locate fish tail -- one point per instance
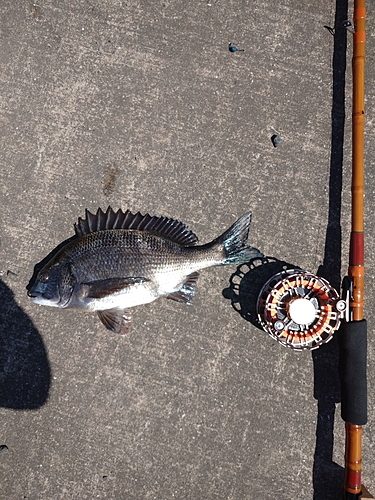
(234, 242)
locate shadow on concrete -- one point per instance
(246, 283)
(327, 475)
(24, 368)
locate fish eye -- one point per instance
(44, 277)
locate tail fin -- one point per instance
(234, 242)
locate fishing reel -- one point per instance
(300, 310)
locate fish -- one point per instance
(119, 260)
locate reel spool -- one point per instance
(300, 310)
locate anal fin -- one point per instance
(116, 320)
(186, 292)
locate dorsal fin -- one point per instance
(168, 228)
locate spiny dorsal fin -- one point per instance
(168, 228)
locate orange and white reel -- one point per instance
(300, 310)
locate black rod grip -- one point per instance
(352, 339)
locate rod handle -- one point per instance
(352, 337)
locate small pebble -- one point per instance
(276, 140)
(233, 48)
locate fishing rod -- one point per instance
(352, 334)
(303, 311)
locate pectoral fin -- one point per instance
(103, 288)
(116, 320)
(186, 292)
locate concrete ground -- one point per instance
(140, 105)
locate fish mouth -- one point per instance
(38, 293)
(35, 295)
(39, 298)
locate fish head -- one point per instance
(53, 285)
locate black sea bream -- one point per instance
(120, 260)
